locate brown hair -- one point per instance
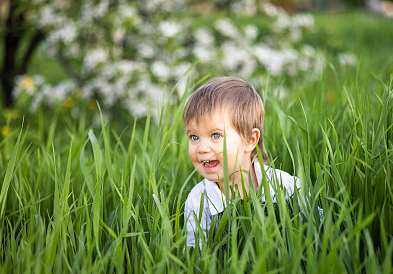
(239, 97)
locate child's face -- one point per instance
(206, 140)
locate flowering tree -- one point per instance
(125, 53)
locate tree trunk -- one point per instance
(11, 43)
(15, 29)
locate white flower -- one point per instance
(233, 56)
(63, 89)
(304, 63)
(125, 66)
(169, 29)
(295, 34)
(308, 51)
(182, 86)
(39, 80)
(95, 57)
(246, 6)
(283, 22)
(120, 88)
(66, 33)
(226, 27)
(347, 59)
(127, 59)
(49, 16)
(319, 65)
(160, 70)
(36, 102)
(127, 11)
(87, 11)
(73, 50)
(101, 9)
(145, 50)
(118, 35)
(204, 54)
(271, 58)
(251, 32)
(181, 69)
(147, 28)
(204, 37)
(303, 20)
(137, 108)
(270, 9)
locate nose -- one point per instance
(203, 148)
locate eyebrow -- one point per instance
(217, 129)
(212, 130)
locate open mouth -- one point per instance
(210, 164)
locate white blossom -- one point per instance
(95, 57)
(270, 9)
(182, 86)
(145, 50)
(62, 90)
(204, 37)
(295, 34)
(50, 16)
(308, 51)
(160, 69)
(233, 55)
(126, 58)
(204, 54)
(127, 11)
(226, 27)
(118, 35)
(271, 58)
(65, 34)
(303, 20)
(126, 66)
(169, 29)
(347, 59)
(181, 69)
(251, 32)
(282, 22)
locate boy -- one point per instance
(232, 105)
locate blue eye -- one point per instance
(194, 138)
(216, 135)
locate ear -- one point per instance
(253, 140)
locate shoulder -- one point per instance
(194, 197)
(287, 180)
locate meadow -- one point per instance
(88, 194)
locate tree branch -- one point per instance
(34, 42)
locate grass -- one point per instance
(108, 196)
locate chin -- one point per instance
(212, 178)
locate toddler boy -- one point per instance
(230, 105)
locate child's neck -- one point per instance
(236, 182)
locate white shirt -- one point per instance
(214, 202)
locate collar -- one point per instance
(216, 199)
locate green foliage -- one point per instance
(80, 194)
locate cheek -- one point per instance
(191, 152)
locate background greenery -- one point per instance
(85, 194)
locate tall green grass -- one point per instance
(79, 196)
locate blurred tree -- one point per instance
(19, 40)
(122, 52)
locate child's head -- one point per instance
(236, 97)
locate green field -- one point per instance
(87, 195)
